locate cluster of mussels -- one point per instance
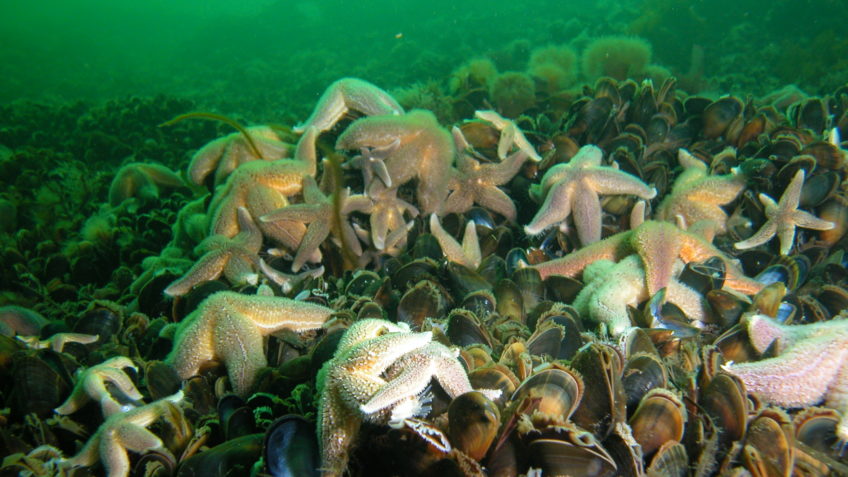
(382, 312)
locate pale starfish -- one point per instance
(475, 182)
(58, 341)
(225, 154)
(425, 152)
(352, 377)
(141, 181)
(128, 431)
(388, 216)
(318, 210)
(611, 287)
(91, 384)
(511, 135)
(697, 195)
(236, 258)
(783, 217)
(659, 245)
(264, 186)
(349, 94)
(468, 254)
(810, 365)
(372, 162)
(231, 327)
(575, 187)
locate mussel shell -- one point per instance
(530, 283)
(510, 301)
(162, 380)
(659, 419)
(473, 423)
(423, 300)
(494, 376)
(559, 457)
(235, 416)
(768, 433)
(104, 321)
(669, 461)
(719, 116)
(465, 329)
(291, 448)
(426, 246)
(723, 399)
(554, 392)
(464, 281)
(834, 210)
(38, 387)
(642, 372)
(704, 276)
(233, 457)
(605, 405)
(481, 302)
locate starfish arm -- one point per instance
(716, 189)
(136, 438)
(798, 377)
(78, 398)
(161, 175)
(414, 378)
(338, 427)
(296, 213)
(270, 314)
(807, 220)
(497, 201)
(499, 174)
(507, 139)
(207, 268)
(786, 236)
(606, 180)
(458, 201)
(586, 208)
(118, 378)
(59, 340)
(555, 209)
(471, 246)
(316, 233)
(205, 160)
(465, 254)
(792, 194)
(305, 152)
(380, 223)
(241, 269)
(659, 245)
(239, 344)
(761, 236)
(372, 357)
(572, 265)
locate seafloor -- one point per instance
(531, 272)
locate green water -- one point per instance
(283, 53)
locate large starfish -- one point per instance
(318, 210)
(475, 182)
(349, 94)
(659, 245)
(91, 385)
(810, 365)
(352, 377)
(128, 431)
(236, 258)
(575, 187)
(230, 327)
(425, 152)
(141, 181)
(783, 217)
(225, 154)
(697, 195)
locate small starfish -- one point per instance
(810, 366)
(387, 216)
(91, 385)
(783, 217)
(575, 187)
(372, 161)
(225, 154)
(141, 181)
(58, 341)
(236, 258)
(318, 211)
(659, 245)
(127, 431)
(468, 254)
(425, 152)
(230, 327)
(352, 377)
(477, 183)
(511, 135)
(611, 287)
(697, 195)
(349, 94)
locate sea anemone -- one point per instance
(474, 74)
(553, 67)
(513, 93)
(620, 57)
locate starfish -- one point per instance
(575, 187)
(230, 327)
(58, 341)
(236, 258)
(810, 365)
(128, 431)
(91, 384)
(352, 377)
(349, 94)
(425, 152)
(318, 210)
(225, 154)
(467, 254)
(264, 186)
(372, 162)
(387, 215)
(477, 183)
(697, 195)
(511, 135)
(141, 181)
(659, 245)
(611, 287)
(783, 217)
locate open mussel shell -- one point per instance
(768, 444)
(465, 329)
(423, 300)
(233, 457)
(817, 444)
(481, 302)
(642, 373)
(659, 419)
(723, 399)
(495, 376)
(552, 393)
(235, 416)
(473, 423)
(291, 448)
(600, 366)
